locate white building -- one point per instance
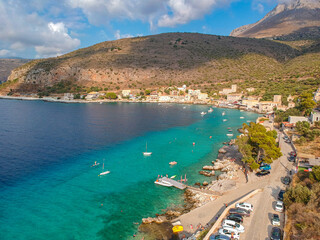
(164, 98)
(68, 96)
(234, 97)
(226, 91)
(267, 106)
(277, 98)
(202, 96)
(126, 93)
(316, 96)
(295, 119)
(251, 89)
(315, 116)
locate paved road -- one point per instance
(260, 224)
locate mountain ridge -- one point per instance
(284, 19)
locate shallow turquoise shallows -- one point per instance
(49, 189)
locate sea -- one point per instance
(49, 189)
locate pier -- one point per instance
(174, 183)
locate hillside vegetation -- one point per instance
(193, 59)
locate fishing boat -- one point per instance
(162, 182)
(230, 134)
(225, 120)
(223, 113)
(242, 117)
(146, 153)
(210, 110)
(203, 113)
(173, 163)
(104, 173)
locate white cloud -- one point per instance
(22, 29)
(4, 52)
(258, 7)
(117, 35)
(166, 13)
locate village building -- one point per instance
(251, 89)
(68, 96)
(307, 160)
(92, 96)
(227, 91)
(125, 93)
(290, 98)
(267, 106)
(202, 96)
(316, 96)
(291, 104)
(250, 103)
(277, 99)
(234, 97)
(164, 98)
(294, 119)
(315, 117)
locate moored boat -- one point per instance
(162, 182)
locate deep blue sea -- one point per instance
(48, 189)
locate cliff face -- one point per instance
(161, 60)
(7, 65)
(286, 18)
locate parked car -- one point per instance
(275, 220)
(239, 211)
(232, 224)
(280, 195)
(293, 153)
(228, 233)
(286, 180)
(263, 173)
(279, 206)
(291, 159)
(265, 167)
(219, 237)
(276, 233)
(235, 217)
(244, 205)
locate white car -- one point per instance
(244, 205)
(226, 232)
(232, 224)
(279, 206)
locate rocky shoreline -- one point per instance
(227, 167)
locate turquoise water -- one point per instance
(68, 200)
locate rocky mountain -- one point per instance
(167, 59)
(7, 65)
(294, 17)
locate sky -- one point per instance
(49, 28)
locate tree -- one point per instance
(147, 92)
(297, 194)
(258, 140)
(306, 102)
(111, 95)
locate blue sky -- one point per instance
(46, 28)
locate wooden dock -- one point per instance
(175, 183)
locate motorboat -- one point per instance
(223, 113)
(162, 182)
(225, 120)
(210, 110)
(230, 134)
(203, 113)
(242, 117)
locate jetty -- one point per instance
(174, 183)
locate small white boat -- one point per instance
(225, 120)
(230, 134)
(146, 153)
(162, 182)
(105, 172)
(203, 113)
(223, 113)
(210, 110)
(248, 121)
(173, 163)
(242, 117)
(184, 107)
(95, 164)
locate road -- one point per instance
(258, 226)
